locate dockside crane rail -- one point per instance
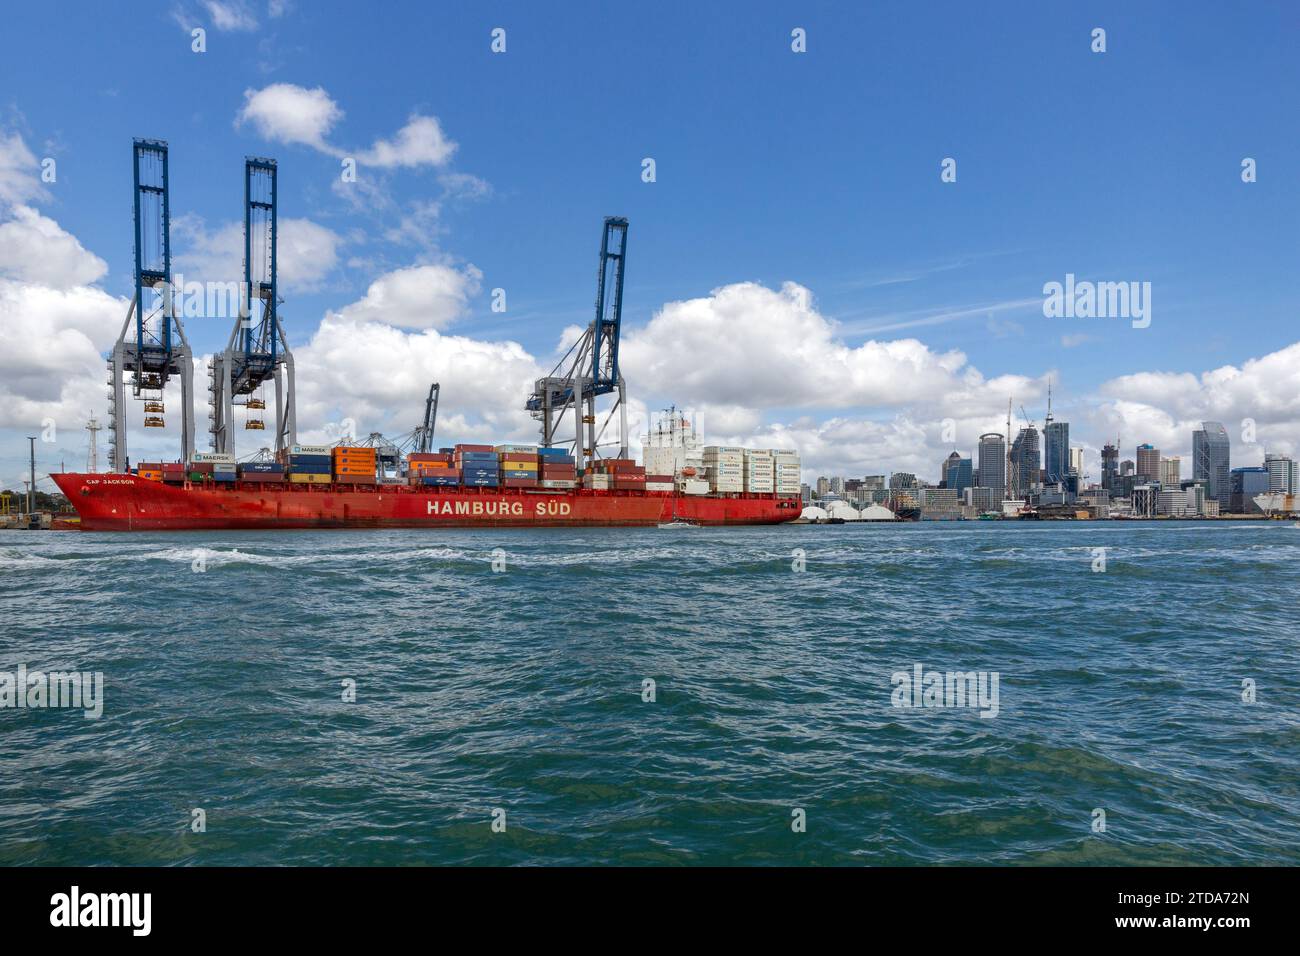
(590, 368)
(257, 351)
(152, 348)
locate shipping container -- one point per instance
(202, 467)
(212, 457)
(438, 480)
(519, 482)
(224, 476)
(309, 449)
(307, 478)
(554, 452)
(524, 449)
(557, 483)
(473, 448)
(262, 467)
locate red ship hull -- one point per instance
(119, 502)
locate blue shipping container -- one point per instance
(439, 480)
(562, 452)
(264, 467)
(224, 476)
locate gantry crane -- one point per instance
(590, 368)
(153, 348)
(423, 434)
(258, 349)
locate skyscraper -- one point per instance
(1056, 451)
(1171, 471)
(956, 473)
(1148, 466)
(1025, 462)
(1282, 474)
(1109, 465)
(993, 462)
(1211, 460)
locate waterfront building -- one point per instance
(1145, 500)
(837, 485)
(1282, 474)
(1211, 460)
(823, 487)
(939, 504)
(1244, 485)
(984, 500)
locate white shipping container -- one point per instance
(308, 450)
(556, 483)
(692, 486)
(723, 449)
(658, 486)
(215, 457)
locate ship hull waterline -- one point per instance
(122, 502)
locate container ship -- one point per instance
(465, 486)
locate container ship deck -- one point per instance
(126, 502)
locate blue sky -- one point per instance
(819, 168)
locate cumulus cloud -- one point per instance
(51, 345)
(418, 297)
(33, 248)
(378, 376)
(287, 113)
(307, 254)
(1259, 398)
(750, 346)
(421, 142)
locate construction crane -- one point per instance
(258, 349)
(590, 368)
(423, 433)
(153, 348)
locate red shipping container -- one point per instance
(520, 482)
(461, 448)
(628, 485)
(355, 479)
(658, 477)
(518, 456)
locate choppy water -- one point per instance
(522, 690)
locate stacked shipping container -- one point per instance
(355, 465)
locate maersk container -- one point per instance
(213, 457)
(309, 449)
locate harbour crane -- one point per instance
(590, 368)
(423, 434)
(258, 348)
(152, 348)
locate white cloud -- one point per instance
(747, 345)
(230, 15)
(51, 344)
(286, 113)
(33, 248)
(378, 376)
(19, 181)
(308, 252)
(418, 297)
(421, 142)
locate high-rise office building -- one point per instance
(957, 473)
(1076, 460)
(1056, 452)
(837, 485)
(1126, 467)
(1211, 460)
(1025, 462)
(1244, 485)
(993, 461)
(1171, 471)
(1282, 474)
(1148, 462)
(1109, 465)
(823, 487)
